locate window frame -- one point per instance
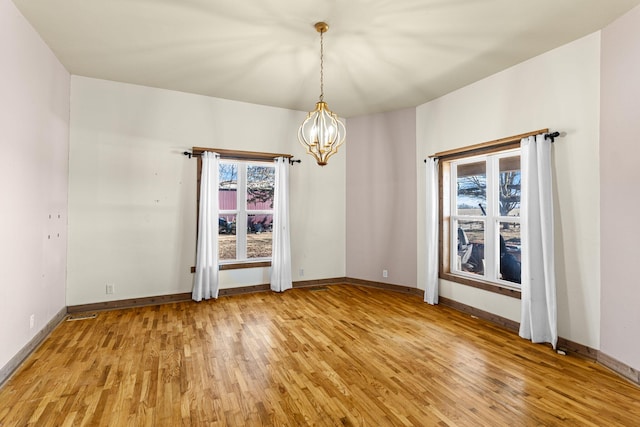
(445, 219)
(227, 154)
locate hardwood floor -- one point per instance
(344, 355)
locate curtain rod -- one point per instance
(497, 143)
(243, 155)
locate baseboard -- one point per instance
(576, 348)
(129, 303)
(620, 368)
(320, 282)
(385, 286)
(481, 314)
(267, 287)
(186, 296)
(7, 370)
(242, 290)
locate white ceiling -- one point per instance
(380, 55)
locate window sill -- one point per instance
(248, 264)
(240, 265)
(484, 285)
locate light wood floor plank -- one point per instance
(344, 356)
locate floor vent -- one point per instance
(319, 288)
(81, 316)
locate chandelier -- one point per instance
(322, 132)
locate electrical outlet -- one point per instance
(301, 272)
(385, 273)
(32, 321)
(110, 288)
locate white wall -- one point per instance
(381, 198)
(558, 90)
(132, 204)
(620, 174)
(34, 135)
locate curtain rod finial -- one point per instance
(552, 136)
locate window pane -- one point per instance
(470, 243)
(259, 235)
(510, 250)
(510, 186)
(260, 187)
(227, 237)
(228, 186)
(472, 188)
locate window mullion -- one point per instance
(241, 228)
(491, 260)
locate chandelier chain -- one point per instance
(321, 66)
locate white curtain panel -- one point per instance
(539, 313)
(281, 245)
(206, 284)
(431, 248)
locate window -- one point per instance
(479, 218)
(246, 210)
(246, 197)
(484, 206)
